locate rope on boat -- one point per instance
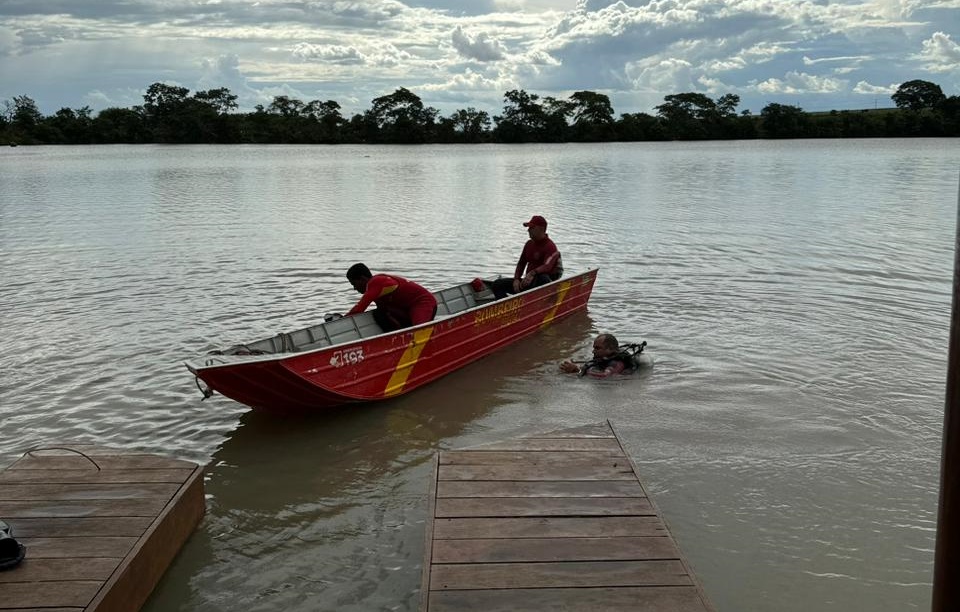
(207, 392)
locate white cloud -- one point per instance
(541, 58)
(671, 75)
(801, 83)
(388, 55)
(940, 53)
(714, 86)
(764, 52)
(481, 47)
(327, 53)
(225, 68)
(812, 62)
(866, 88)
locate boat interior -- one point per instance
(341, 330)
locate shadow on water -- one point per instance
(326, 512)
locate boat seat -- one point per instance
(456, 299)
(338, 331)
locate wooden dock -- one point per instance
(100, 526)
(555, 521)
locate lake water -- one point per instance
(794, 295)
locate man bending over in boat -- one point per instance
(538, 265)
(400, 303)
(608, 358)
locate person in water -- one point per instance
(539, 262)
(607, 360)
(400, 302)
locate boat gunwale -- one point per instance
(236, 360)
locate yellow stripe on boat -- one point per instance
(407, 361)
(561, 293)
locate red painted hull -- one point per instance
(391, 364)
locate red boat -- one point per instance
(351, 360)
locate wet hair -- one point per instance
(609, 341)
(358, 270)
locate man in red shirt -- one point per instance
(539, 262)
(400, 303)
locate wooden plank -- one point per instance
(586, 445)
(132, 582)
(596, 471)
(49, 609)
(50, 569)
(561, 574)
(556, 521)
(630, 599)
(94, 507)
(69, 594)
(489, 457)
(177, 476)
(106, 463)
(62, 527)
(584, 488)
(78, 547)
(97, 539)
(62, 491)
(553, 549)
(428, 545)
(543, 506)
(548, 527)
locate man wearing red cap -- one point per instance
(538, 265)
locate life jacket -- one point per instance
(628, 355)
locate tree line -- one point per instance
(170, 114)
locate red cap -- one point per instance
(536, 220)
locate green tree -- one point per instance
(469, 125)
(633, 127)
(556, 125)
(592, 116)
(23, 120)
(119, 125)
(949, 109)
(917, 95)
(523, 119)
(162, 100)
(168, 114)
(783, 121)
(71, 126)
(220, 99)
(212, 108)
(285, 106)
(727, 105)
(686, 116)
(401, 118)
(287, 121)
(329, 121)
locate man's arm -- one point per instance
(615, 367)
(521, 266)
(377, 287)
(547, 266)
(521, 263)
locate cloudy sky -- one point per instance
(816, 54)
